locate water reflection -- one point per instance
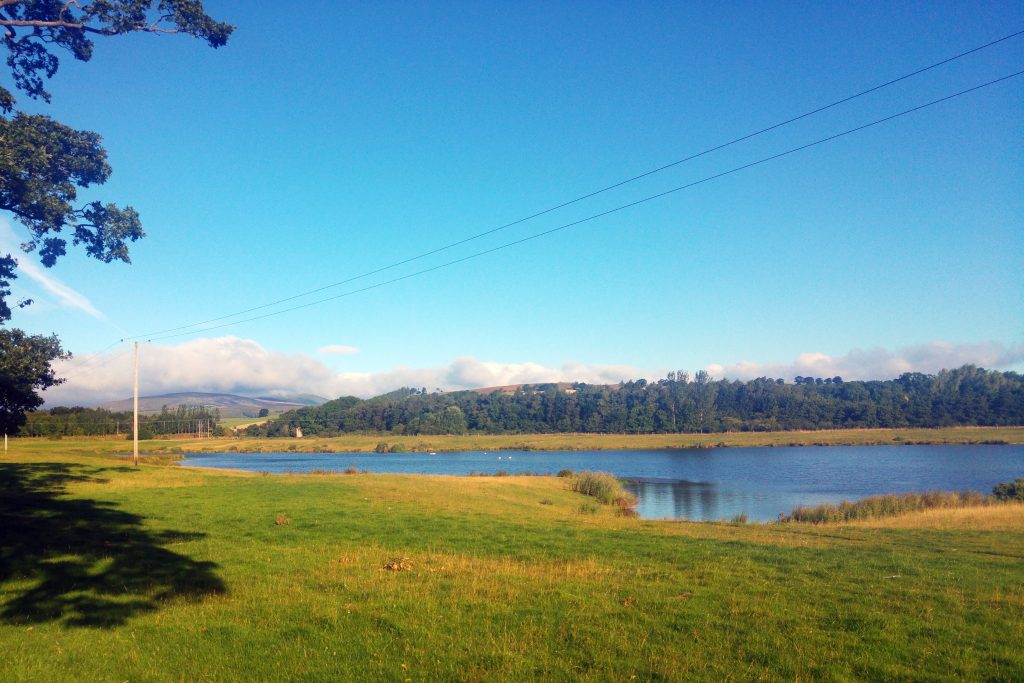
(704, 500)
(676, 499)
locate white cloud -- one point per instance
(880, 363)
(243, 366)
(337, 350)
(64, 295)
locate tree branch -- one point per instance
(88, 29)
(41, 24)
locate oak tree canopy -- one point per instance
(42, 161)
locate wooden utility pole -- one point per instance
(135, 435)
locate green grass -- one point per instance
(165, 573)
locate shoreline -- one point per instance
(364, 443)
(370, 443)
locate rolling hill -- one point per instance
(230, 405)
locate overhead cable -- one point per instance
(601, 214)
(451, 245)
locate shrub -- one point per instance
(607, 489)
(381, 447)
(565, 473)
(600, 485)
(397, 448)
(1009, 490)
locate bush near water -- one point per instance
(1010, 490)
(891, 505)
(606, 488)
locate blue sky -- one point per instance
(344, 137)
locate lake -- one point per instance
(698, 484)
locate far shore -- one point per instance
(364, 443)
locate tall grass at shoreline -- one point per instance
(888, 505)
(607, 489)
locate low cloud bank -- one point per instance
(880, 363)
(243, 366)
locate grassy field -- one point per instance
(108, 572)
(561, 442)
(241, 422)
(570, 442)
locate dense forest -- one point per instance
(101, 422)
(965, 396)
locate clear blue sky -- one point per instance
(328, 139)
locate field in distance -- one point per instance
(168, 573)
(570, 442)
(366, 443)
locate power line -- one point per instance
(585, 196)
(95, 362)
(595, 216)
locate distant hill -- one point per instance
(965, 396)
(304, 399)
(230, 405)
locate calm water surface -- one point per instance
(705, 484)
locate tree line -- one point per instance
(59, 422)
(677, 404)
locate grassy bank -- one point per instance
(163, 573)
(367, 443)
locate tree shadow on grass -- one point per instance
(82, 561)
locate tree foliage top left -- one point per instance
(43, 162)
(31, 28)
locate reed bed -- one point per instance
(607, 489)
(889, 505)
